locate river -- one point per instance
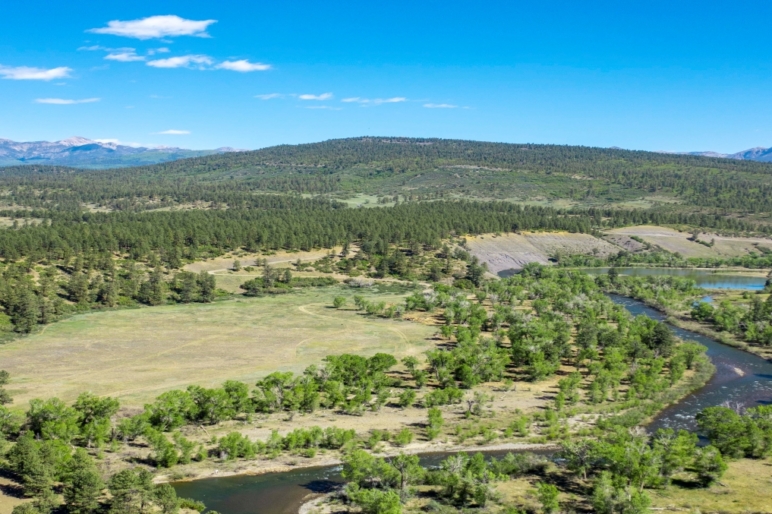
(276, 493)
(740, 378)
(709, 279)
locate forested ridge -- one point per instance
(274, 222)
(423, 167)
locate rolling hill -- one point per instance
(380, 168)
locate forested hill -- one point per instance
(436, 168)
(410, 154)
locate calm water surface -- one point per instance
(276, 493)
(740, 378)
(709, 279)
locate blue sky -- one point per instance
(648, 75)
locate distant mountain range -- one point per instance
(754, 154)
(86, 153)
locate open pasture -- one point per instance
(136, 354)
(744, 488)
(679, 242)
(281, 259)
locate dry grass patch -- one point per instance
(679, 242)
(278, 259)
(10, 495)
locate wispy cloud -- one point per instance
(123, 54)
(375, 101)
(243, 66)
(200, 62)
(183, 61)
(66, 101)
(30, 73)
(173, 132)
(155, 27)
(128, 56)
(327, 107)
(270, 96)
(440, 106)
(323, 96)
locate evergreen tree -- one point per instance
(82, 484)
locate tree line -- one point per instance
(274, 222)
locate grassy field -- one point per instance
(513, 251)
(6, 222)
(278, 260)
(744, 488)
(229, 280)
(674, 241)
(136, 354)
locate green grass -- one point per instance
(136, 354)
(744, 488)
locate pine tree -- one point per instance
(82, 485)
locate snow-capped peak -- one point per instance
(75, 141)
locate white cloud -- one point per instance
(440, 106)
(173, 132)
(124, 56)
(66, 101)
(113, 141)
(375, 101)
(183, 61)
(394, 100)
(29, 73)
(243, 66)
(323, 107)
(323, 96)
(156, 27)
(269, 96)
(162, 50)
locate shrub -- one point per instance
(403, 437)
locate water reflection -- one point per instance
(708, 279)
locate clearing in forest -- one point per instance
(280, 259)
(136, 354)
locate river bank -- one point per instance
(290, 462)
(685, 322)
